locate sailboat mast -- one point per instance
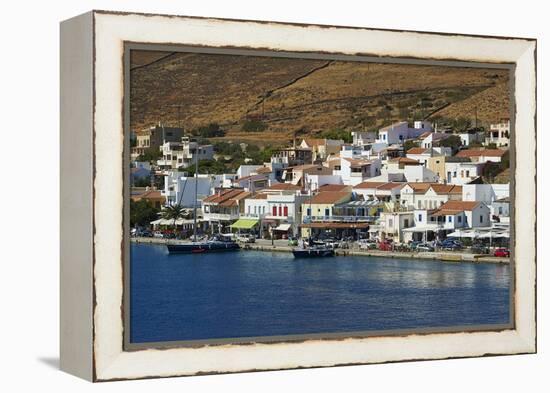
(195, 199)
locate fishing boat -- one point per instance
(313, 252)
(216, 244)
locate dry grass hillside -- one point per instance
(304, 96)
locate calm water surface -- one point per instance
(244, 294)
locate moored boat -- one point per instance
(313, 252)
(201, 247)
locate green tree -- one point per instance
(150, 155)
(142, 213)
(212, 130)
(173, 212)
(452, 141)
(409, 144)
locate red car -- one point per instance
(502, 252)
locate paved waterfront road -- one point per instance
(244, 294)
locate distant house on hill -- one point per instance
(321, 148)
(400, 132)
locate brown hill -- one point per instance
(309, 96)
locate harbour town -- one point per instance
(275, 197)
(417, 189)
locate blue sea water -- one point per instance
(250, 294)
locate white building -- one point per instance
(178, 188)
(387, 192)
(428, 195)
(180, 155)
(355, 171)
(461, 172)
(392, 224)
(468, 137)
(433, 139)
(499, 133)
(482, 155)
(361, 138)
(399, 132)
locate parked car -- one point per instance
(331, 242)
(502, 252)
(158, 235)
(367, 244)
(385, 246)
(424, 247)
(480, 249)
(414, 244)
(451, 245)
(246, 238)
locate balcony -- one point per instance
(220, 217)
(351, 219)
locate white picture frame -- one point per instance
(92, 230)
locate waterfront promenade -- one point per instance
(282, 246)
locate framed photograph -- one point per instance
(246, 195)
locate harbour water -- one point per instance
(254, 293)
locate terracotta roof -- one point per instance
(284, 186)
(446, 189)
(416, 150)
(420, 187)
(355, 163)
(405, 160)
(328, 197)
(259, 196)
(453, 207)
(149, 194)
(390, 186)
(224, 195)
(302, 167)
(370, 184)
(333, 187)
(481, 152)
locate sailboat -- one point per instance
(218, 244)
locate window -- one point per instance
(275, 210)
(285, 211)
(327, 212)
(467, 173)
(450, 219)
(459, 219)
(406, 223)
(308, 212)
(454, 174)
(280, 211)
(420, 218)
(390, 222)
(255, 209)
(481, 219)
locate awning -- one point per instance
(283, 227)
(179, 221)
(244, 223)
